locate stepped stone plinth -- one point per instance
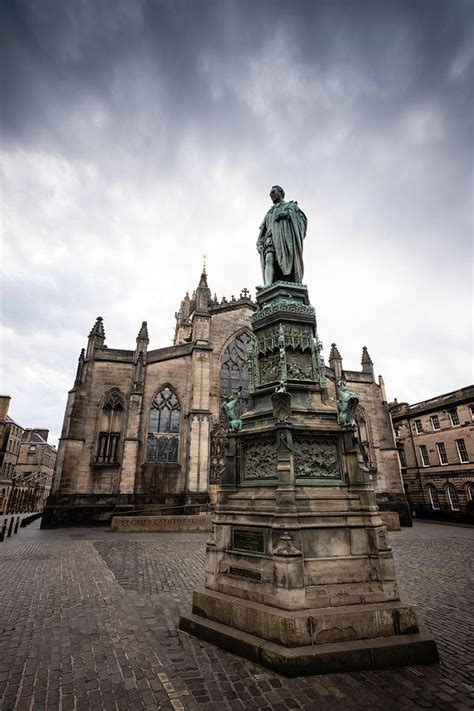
(300, 575)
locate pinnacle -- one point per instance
(366, 359)
(334, 354)
(143, 333)
(98, 328)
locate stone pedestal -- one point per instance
(300, 575)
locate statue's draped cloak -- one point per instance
(287, 237)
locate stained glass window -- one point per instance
(163, 427)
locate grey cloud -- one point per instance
(138, 135)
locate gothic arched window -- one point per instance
(234, 370)
(110, 427)
(163, 427)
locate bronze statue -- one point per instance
(280, 242)
(346, 404)
(234, 422)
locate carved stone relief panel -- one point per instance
(259, 459)
(299, 366)
(316, 458)
(269, 369)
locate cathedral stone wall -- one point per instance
(104, 467)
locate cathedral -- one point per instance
(144, 430)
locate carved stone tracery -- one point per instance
(235, 372)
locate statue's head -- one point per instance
(277, 193)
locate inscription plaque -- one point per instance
(243, 573)
(248, 539)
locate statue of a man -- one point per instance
(280, 242)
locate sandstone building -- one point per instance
(27, 464)
(435, 441)
(144, 429)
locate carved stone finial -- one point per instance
(334, 354)
(143, 332)
(98, 328)
(366, 359)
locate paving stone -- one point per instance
(88, 620)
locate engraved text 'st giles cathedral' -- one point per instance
(300, 574)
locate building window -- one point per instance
(434, 498)
(453, 497)
(403, 459)
(462, 451)
(110, 428)
(443, 457)
(470, 490)
(234, 371)
(471, 410)
(163, 428)
(425, 460)
(435, 422)
(454, 417)
(418, 427)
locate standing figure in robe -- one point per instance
(280, 242)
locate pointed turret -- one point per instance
(203, 293)
(383, 394)
(367, 365)
(80, 367)
(96, 337)
(335, 362)
(201, 317)
(142, 341)
(183, 328)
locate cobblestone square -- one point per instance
(88, 620)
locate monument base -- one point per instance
(311, 641)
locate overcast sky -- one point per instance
(138, 136)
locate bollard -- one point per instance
(17, 524)
(4, 530)
(10, 527)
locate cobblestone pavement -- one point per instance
(88, 621)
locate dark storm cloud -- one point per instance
(137, 135)
(65, 61)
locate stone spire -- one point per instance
(203, 293)
(201, 320)
(383, 393)
(335, 362)
(367, 365)
(96, 337)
